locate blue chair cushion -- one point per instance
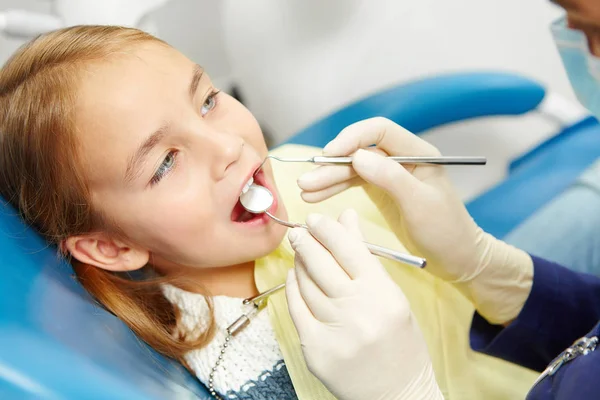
(58, 343)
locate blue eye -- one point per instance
(165, 167)
(209, 104)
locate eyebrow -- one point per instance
(135, 162)
(197, 75)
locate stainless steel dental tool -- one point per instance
(416, 160)
(258, 200)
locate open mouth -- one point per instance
(239, 214)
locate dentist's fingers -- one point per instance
(325, 176)
(301, 315)
(349, 219)
(349, 251)
(319, 263)
(317, 302)
(328, 180)
(386, 134)
(389, 176)
(330, 191)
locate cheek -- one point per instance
(594, 42)
(255, 138)
(245, 125)
(162, 221)
(184, 216)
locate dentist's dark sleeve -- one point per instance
(563, 306)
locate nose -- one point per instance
(226, 149)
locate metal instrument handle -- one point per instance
(442, 160)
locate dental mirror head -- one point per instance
(257, 199)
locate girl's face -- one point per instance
(166, 157)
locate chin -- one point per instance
(270, 242)
(273, 240)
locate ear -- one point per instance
(104, 252)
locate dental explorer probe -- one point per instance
(410, 160)
(259, 199)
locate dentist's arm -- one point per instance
(357, 332)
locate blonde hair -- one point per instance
(41, 174)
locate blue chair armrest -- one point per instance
(537, 178)
(430, 102)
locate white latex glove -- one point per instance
(356, 329)
(423, 209)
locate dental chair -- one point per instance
(56, 343)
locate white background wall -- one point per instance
(349, 47)
(298, 60)
(7, 46)
(193, 26)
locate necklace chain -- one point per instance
(211, 377)
(231, 331)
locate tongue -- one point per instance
(245, 216)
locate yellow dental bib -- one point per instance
(444, 314)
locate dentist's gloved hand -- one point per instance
(427, 215)
(357, 332)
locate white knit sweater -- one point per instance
(252, 356)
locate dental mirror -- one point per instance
(257, 200)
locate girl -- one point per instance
(119, 149)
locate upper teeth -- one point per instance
(247, 185)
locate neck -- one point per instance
(234, 281)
